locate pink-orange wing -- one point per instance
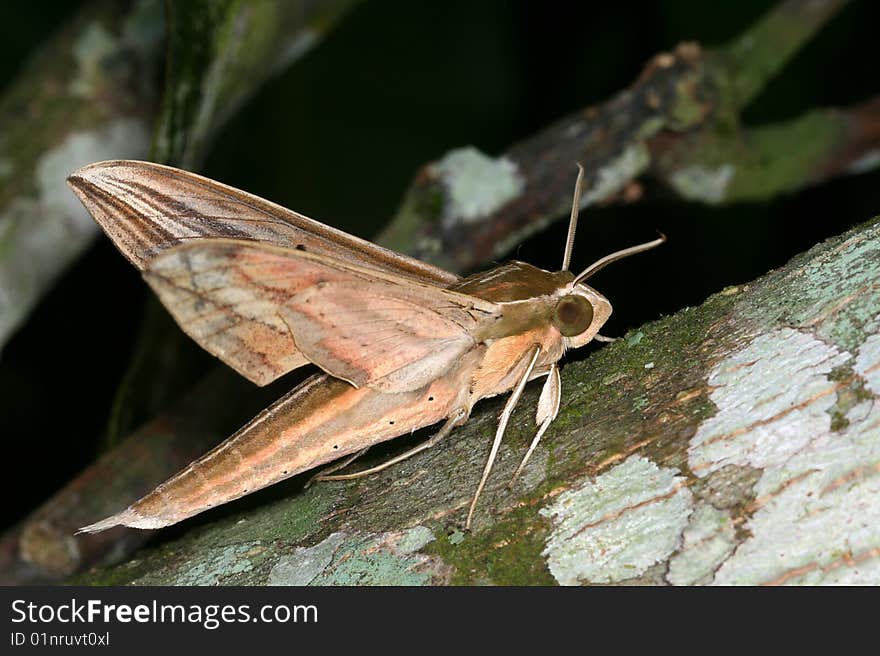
(148, 208)
(368, 327)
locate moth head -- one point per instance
(581, 311)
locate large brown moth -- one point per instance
(403, 344)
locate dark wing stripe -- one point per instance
(179, 206)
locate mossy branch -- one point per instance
(679, 123)
(89, 95)
(757, 56)
(85, 96)
(735, 442)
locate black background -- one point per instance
(340, 134)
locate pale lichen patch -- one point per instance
(772, 397)
(220, 565)
(65, 226)
(617, 173)
(616, 527)
(476, 184)
(867, 363)
(837, 296)
(708, 539)
(382, 559)
(413, 540)
(703, 184)
(634, 338)
(306, 563)
(816, 505)
(818, 511)
(92, 47)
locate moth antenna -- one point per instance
(618, 255)
(573, 222)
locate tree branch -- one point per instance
(44, 549)
(756, 57)
(736, 442)
(678, 122)
(719, 166)
(88, 96)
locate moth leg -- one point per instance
(345, 462)
(548, 408)
(502, 426)
(456, 419)
(602, 338)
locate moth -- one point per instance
(402, 344)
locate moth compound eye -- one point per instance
(572, 315)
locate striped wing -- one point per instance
(148, 208)
(368, 327)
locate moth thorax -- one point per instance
(572, 315)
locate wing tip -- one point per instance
(127, 517)
(93, 170)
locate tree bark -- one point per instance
(735, 442)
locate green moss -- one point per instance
(838, 420)
(784, 156)
(851, 393)
(847, 270)
(688, 110)
(508, 552)
(649, 128)
(760, 52)
(288, 520)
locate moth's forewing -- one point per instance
(230, 307)
(369, 328)
(146, 208)
(321, 420)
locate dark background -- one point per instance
(340, 134)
